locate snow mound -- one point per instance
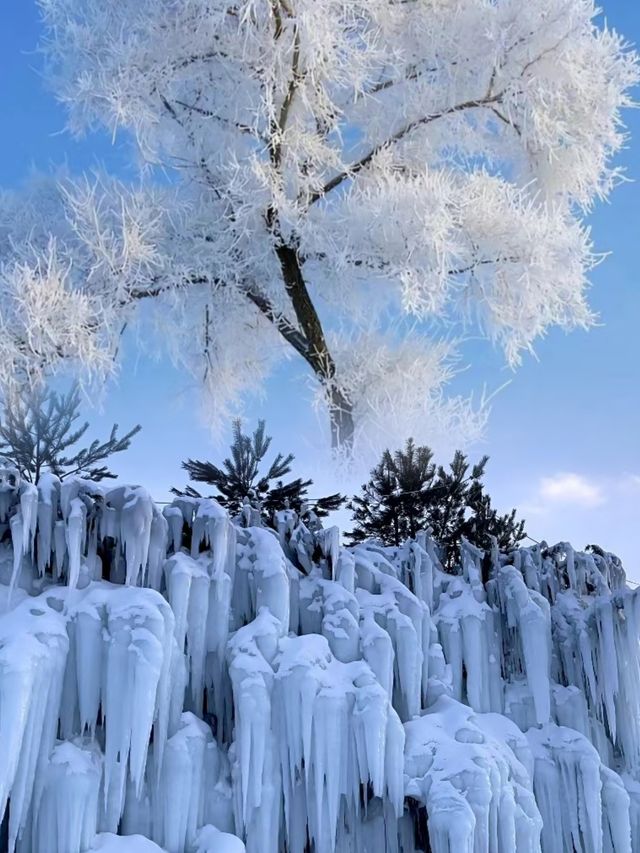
(105, 842)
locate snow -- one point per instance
(105, 842)
(237, 688)
(209, 839)
(470, 772)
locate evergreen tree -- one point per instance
(389, 507)
(463, 509)
(39, 431)
(407, 493)
(240, 476)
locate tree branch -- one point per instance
(357, 167)
(412, 74)
(286, 328)
(243, 128)
(277, 131)
(505, 120)
(318, 355)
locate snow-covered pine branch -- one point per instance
(337, 171)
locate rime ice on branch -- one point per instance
(341, 170)
(172, 682)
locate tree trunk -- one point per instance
(341, 421)
(316, 351)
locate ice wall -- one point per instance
(174, 680)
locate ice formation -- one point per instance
(185, 682)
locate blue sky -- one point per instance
(563, 435)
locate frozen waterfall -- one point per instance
(173, 680)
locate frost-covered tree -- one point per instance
(407, 492)
(242, 475)
(39, 431)
(352, 181)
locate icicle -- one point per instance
(66, 816)
(264, 581)
(175, 520)
(60, 546)
(29, 509)
(301, 547)
(136, 656)
(403, 617)
(255, 768)
(329, 542)
(343, 634)
(16, 542)
(466, 628)
(33, 649)
(211, 526)
(597, 643)
(345, 571)
(9, 486)
(528, 612)
(285, 522)
(192, 789)
(616, 824)
(187, 507)
(188, 591)
(307, 680)
(135, 531)
(178, 800)
(179, 571)
(158, 540)
(75, 539)
(109, 523)
(633, 789)
(48, 490)
(326, 712)
(217, 631)
(478, 794)
(89, 625)
(568, 789)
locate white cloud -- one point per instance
(565, 506)
(572, 489)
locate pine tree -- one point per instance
(38, 432)
(390, 505)
(407, 493)
(240, 476)
(463, 509)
